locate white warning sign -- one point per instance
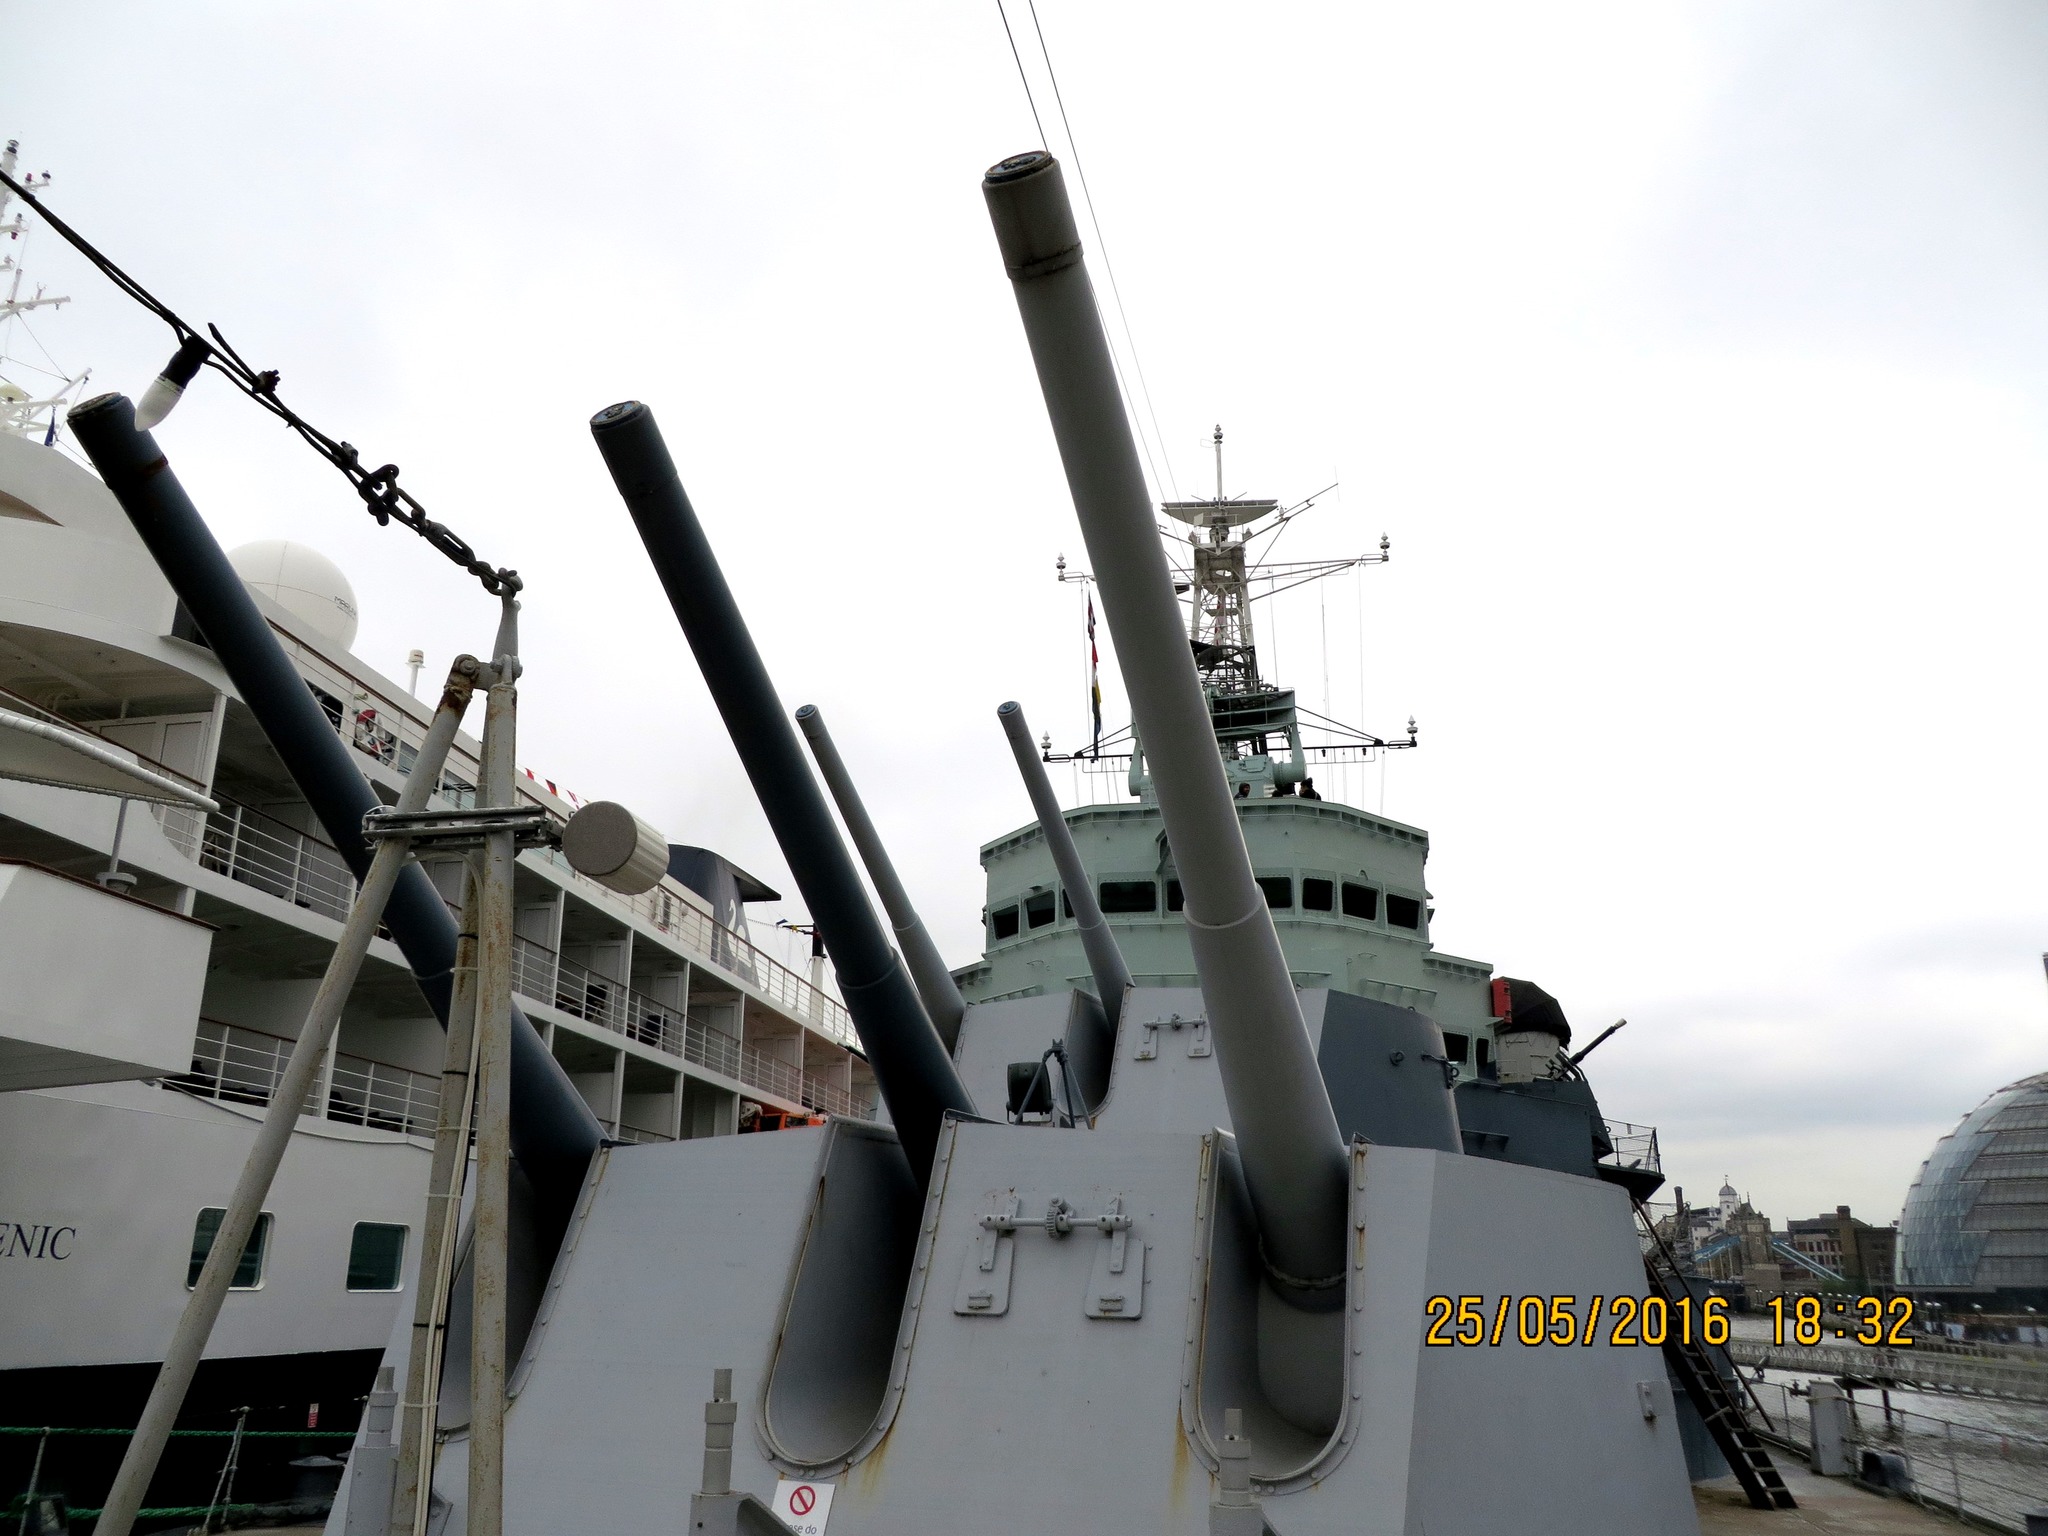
(803, 1507)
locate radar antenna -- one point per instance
(1259, 726)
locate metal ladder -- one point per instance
(1718, 1407)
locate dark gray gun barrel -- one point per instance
(914, 1070)
(935, 985)
(1294, 1158)
(1094, 1053)
(553, 1131)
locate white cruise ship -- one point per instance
(131, 1087)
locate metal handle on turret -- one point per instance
(1294, 1159)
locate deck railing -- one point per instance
(243, 1066)
(546, 977)
(259, 850)
(1635, 1146)
(275, 857)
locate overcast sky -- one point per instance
(1692, 357)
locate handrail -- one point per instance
(231, 1062)
(545, 977)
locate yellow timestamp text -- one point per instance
(1565, 1320)
(1886, 1320)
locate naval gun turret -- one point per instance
(1236, 1294)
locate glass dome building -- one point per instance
(1976, 1218)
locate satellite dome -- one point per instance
(304, 583)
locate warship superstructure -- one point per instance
(1143, 1246)
(1346, 887)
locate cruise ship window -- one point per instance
(248, 1273)
(376, 1256)
(1279, 890)
(1457, 1047)
(1066, 905)
(1318, 895)
(1361, 901)
(1038, 909)
(1004, 921)
(1129, 896)
(1175, 900)
(1404, 911)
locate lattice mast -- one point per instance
(1220, 616)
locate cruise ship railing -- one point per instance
(386, 731)
(276, 858)
(543, 976)
(242, 1066)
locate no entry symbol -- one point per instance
(802, 1499)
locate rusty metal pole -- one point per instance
(412, 1484)
(493, 1106)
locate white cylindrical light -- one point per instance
(615, 848)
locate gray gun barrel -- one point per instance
(914, 1070)
(935, 985)
(554, 1134)
(1092, 1055)
(1293, 1155)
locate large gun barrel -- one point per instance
(1093, 1055)
(914, 1070)
(935, 985)
(1293, 1154)
(553, 1131)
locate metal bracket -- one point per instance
(984, 1289)
(452, 831)
(1198, 1042)
(1116, 1288)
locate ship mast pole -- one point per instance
(489, 1271)
(288, 1097)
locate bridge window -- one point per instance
(248, 1273)
(1457, 1047)
(376, 1256)
(1404, 911)
(1318, 895)
(1279, 890)
(1038, 909)
(1175, 900)
(1361, 901)
(1130, 896)
(1003, 922)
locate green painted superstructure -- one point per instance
(1317, 847)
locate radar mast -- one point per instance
(1259, 725)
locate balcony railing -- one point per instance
(546, 977)
(243, 1066)
(277, 858)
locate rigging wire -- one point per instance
(1108, 269)
(1029, 100)
(379, 488)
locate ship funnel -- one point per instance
(1293, 1155)
(1093, 1055)
(935, 984)
(913, 1068)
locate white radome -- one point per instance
(303, 582)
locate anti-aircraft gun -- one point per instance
(1194, 1289)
